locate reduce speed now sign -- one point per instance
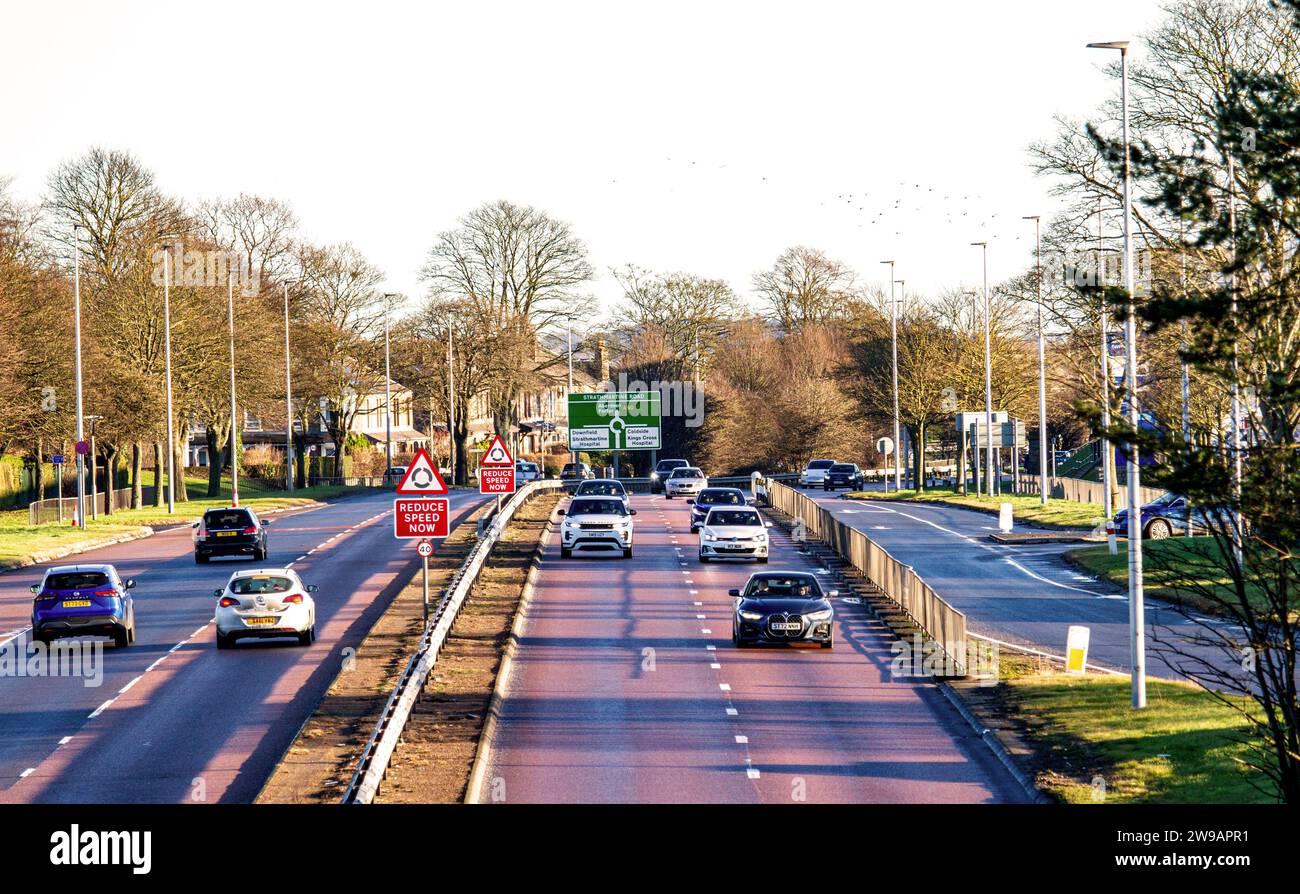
(417, 517)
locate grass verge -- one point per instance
(1057, 514)
(1082, 743)
(19, 541)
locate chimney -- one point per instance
(601, 358)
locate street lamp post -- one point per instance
(451, 404)
(893, 334)
(1042, 366)
(388, 393)
(1137, 620)
(573, 454)
(288, 400)
(1107, 456)
(902, 299)
(234, 423)
(990, 466)
(81, 423)
(167, 365)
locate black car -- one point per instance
(662, 471)
(843, 475)
(230, 532)
(710, 497)
(783, 607)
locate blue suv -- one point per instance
(83, 600)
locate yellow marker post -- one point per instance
(1076, 649)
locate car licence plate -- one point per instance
(260, 622)
(227, 533)
(784, 625)
(76, 603)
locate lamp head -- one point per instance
(1121, 45)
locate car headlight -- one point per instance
(823, 615)
(706, 535)
(654, 476)
(751, 616)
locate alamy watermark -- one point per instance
(20, 657)
(210, 268)
(676, 398)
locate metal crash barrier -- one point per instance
(938, 620)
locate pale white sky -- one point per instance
(703, 137)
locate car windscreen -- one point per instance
(783, 588)
(733, 517)
(821, 464)
(251, 586)
(687, 473)
(603, 488)
(842, 467)
(227, 519)
(597, 507)
(76, 580)
(710, 497)
(667, 465)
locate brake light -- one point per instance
(295, 598)
(228, 602)
(250, 530)
(106, 592)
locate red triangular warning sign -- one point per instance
(497, 454)
(421, 477)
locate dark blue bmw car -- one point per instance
(782, 607)
(83, 600)
(1167, 515)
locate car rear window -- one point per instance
(76, 580)
(604, 488)
(597, 507)
(251, 586)
(821, 464)
(733, 517)
(667, 465)
(842, 467)
(225, 519)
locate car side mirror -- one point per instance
(690, 502)
(631, 512)
(194, 525)
(311, 588)
(265, 522)
(130, 583)
(218, 592)
(832, 594)
(767, 524)
(733, 592)
(35, 588)
(559, 512)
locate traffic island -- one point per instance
(1067, 516)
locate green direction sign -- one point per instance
(614, 420)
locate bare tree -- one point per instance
(804, 286)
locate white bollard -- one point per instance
(1076, 649)
(1004, 518)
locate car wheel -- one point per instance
(829, 644)
(200, 559)
(704, 558)
(130, 631)
(762, 560)
(121, 638)
(1159, 529)
(627, 552)
(41, 638)
(566, 552)
(224, 641)
(667, 496)
(307, 636)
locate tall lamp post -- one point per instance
(81, 422)
(451, 404)
(388, 392)
(288, 399)
(1137, 620)
(234, 422)
(1042, 365)
(167, 365)
(893, 335)
(902, 299)
(989, 468)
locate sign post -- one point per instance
(425, 549)
(421, 513)
(57, 461)
(496, 471)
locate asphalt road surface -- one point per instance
(626, 688)
(173, 720)
(1024, 594)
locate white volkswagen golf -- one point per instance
(733, 533)
(265, 602)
